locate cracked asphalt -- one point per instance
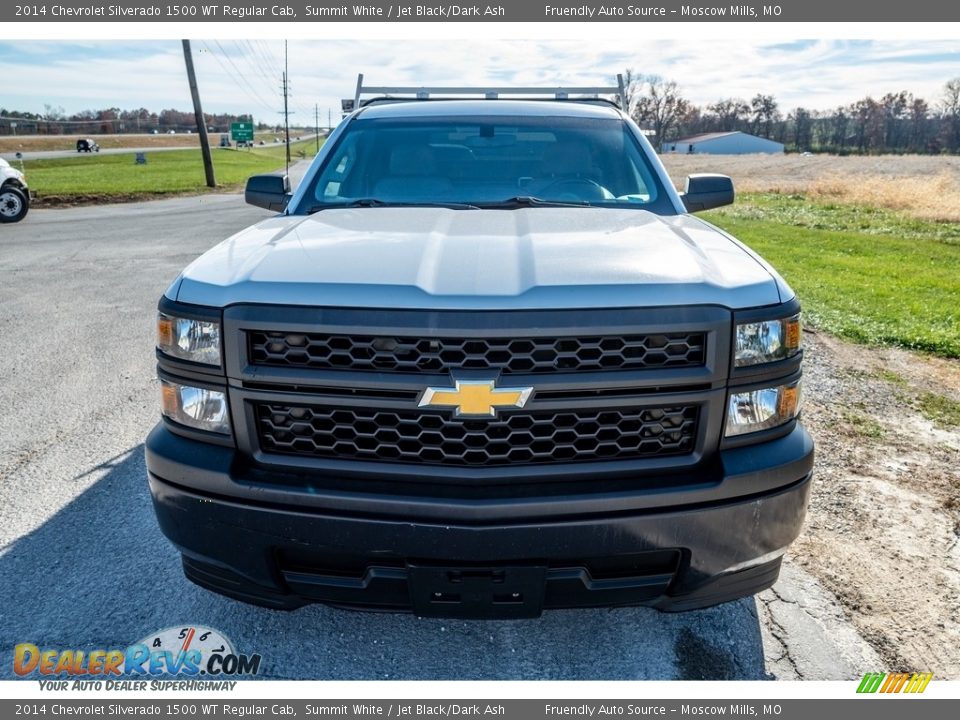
(83, 564)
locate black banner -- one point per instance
(187, 708)
(323, 11)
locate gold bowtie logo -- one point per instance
(478, 398)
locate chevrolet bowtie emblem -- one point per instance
(476, 398)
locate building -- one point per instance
(723, 143)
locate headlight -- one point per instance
(195, 407)
(762, 409)
(188, 339)
(767, 341)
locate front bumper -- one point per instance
(677, 549)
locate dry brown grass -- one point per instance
(921, 185)
(931, 198)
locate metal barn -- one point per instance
(723, 143)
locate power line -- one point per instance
(275, 64)
(255, 63)
(238, 76)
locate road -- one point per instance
(83, 564)
(53, 154)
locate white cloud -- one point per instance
(244, 76)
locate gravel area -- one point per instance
(883, 530)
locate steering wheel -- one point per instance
(593, 190)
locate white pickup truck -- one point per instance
(481, 363)
(14, 194)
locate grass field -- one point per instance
(117, 177)
(866, 274)
(870, 244)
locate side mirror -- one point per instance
(268, 191)
(706, 190)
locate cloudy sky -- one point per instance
(243, 76)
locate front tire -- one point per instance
(13, 205)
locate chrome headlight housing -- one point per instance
(751, 411)
(766, 341)
(189, 338)
(196, 407)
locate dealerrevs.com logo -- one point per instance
(187, 650)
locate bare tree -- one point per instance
(731, 113)
(894, 106)
(631, 89)
(765, 112)
(802, 129)
(950, 113)
(660, 107)
(919, 125)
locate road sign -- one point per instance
(241, 132)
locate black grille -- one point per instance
(440, 355)
(440, 439)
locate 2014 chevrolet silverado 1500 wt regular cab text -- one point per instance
(483, 362)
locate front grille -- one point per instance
(440, 439)
(373, 353)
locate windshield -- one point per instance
(491, 161)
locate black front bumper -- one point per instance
(677, 549)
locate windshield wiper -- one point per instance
(375, 202)
(531, 201)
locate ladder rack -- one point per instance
(408, 93)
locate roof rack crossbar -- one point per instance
(491, 93)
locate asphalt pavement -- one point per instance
(84, 565)
(72, 152)
(53, 154)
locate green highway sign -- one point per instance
(241, 132)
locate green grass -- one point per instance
(867, 275)
(864, 425)
(891, 377)
(168, 172)
(939, 409)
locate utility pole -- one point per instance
(329, 126)
(316, 123)
(201, 121)
(286, 112)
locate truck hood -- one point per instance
(438, 258)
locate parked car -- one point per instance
(482, 362)
(87, 145)
(14, 194)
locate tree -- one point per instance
(802, 129)
(731, 113)
(894, 107)
(841, 121)
(919, 125)
(660, 107)
(950, 114)
(631, 89)
(867, 118)
(765, 112)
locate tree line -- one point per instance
(897, 122)
(54, 121)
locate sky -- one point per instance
(244, 76)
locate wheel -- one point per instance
(13, 205)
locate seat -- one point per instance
(413, 176)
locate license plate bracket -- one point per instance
(477, 592)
